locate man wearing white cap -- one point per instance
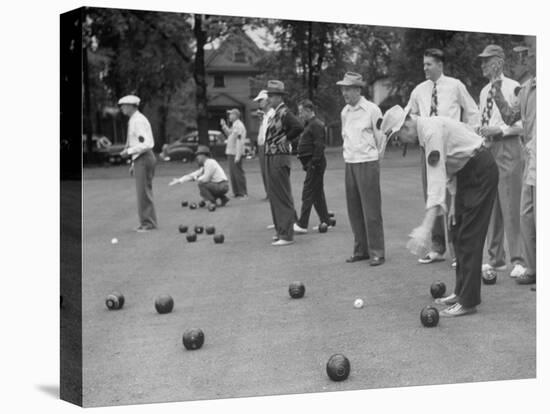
(364, 145)
(505, 145)
(266, 113)
(236, 134)
(139, 146)
(457, 159)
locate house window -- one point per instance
(219, 81)
(239, 57)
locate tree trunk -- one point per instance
(87, 110)
(310, 60)
(163, 119)
(199, 74)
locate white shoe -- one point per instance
(518, 270)
(487, 267)
(457, 310)
(452, 299)
(431, 257)
(299, 230)
(271, 227)
(282, 242)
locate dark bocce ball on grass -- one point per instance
(193, 339)
(114, 301)
(437, 289)
(164, 304)
(210, 230)
(199, 229)
(219, 238)
(202, 203)
(184, 203)
(323, 228)
(429, 316)
(211, 207)
(332, 222)
(183, 228)
(338, 367)
(489, 277)
(296, 290)
(193, 206)
(192, 237)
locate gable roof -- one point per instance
(222, 59)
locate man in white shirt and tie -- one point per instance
(440, 95)
(504, 143)
(139, 146)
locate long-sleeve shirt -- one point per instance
(508, 91)
(453, 100)
(448, 146)
(140, 135)
(236, 135)
(363, 141)
(263, 126)
(312, 141)
(210, 172)
(283, 130)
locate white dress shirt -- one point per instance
(235, 138)
(140, 135)
(210, 172)
(454, 143)
(508, 91)
(453, 100)
(263, 126)
(362, 140)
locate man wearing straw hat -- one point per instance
(139, 146)
(363, 146)
(457, 159)
(283, 130)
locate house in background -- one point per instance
(229, 69)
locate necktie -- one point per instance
(433, 106)
(488, 110)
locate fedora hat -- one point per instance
(492, 50)
(351, 79)
(276, 87)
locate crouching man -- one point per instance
(455, 158)
(211, 178)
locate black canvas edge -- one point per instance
(71, 65)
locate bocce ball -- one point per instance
(210, 230)
(429, 316)
(296, 290)
(184, 203)
(489, 277)
(114, 241)
(164, 304)
(193, 339)
(182, 228)
(323, 227)
(331, 214)
(219, 238)
(199, 229)
(437, 289)
(212, 207)
(332, 222)
(358, 304)
(114, 301)
(193, 206)
(338, 367)
(202, 203)
(192, 237)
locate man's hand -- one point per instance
(490, 131)
(451, 216)
(222, 123)
(124, 153)
(175, 181)
(237, 159)
(420, 241)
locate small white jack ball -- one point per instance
(114, 241)
(358, 304)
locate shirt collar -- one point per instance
(441, 78)
(362, 104)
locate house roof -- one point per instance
(223, 58)
(225, 100)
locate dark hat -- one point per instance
(276, 87)
(203, 149)
(492, 50)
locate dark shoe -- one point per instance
(224, 200)
(353, 259)
(526, 279)
(377, 261)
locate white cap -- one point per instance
(129, 100)
(393, 120)
(261, 95)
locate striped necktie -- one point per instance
(433, 106)
(488, 110)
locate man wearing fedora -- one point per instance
(236, 135)
(139, 146)
(440, 95)
(525, 109)
(457, 159)
(505, 145)
(210, 177)
(265, 112)
(282, 133)
(363, 145)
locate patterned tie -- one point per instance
(433, 107)
(488, 110)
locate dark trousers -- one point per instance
(237, 177)
(279, 193)
(477, 184)
(213, 191)
(438, 229)
(144, 171)
(261, 160)
(365, 208)
(313, 193)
